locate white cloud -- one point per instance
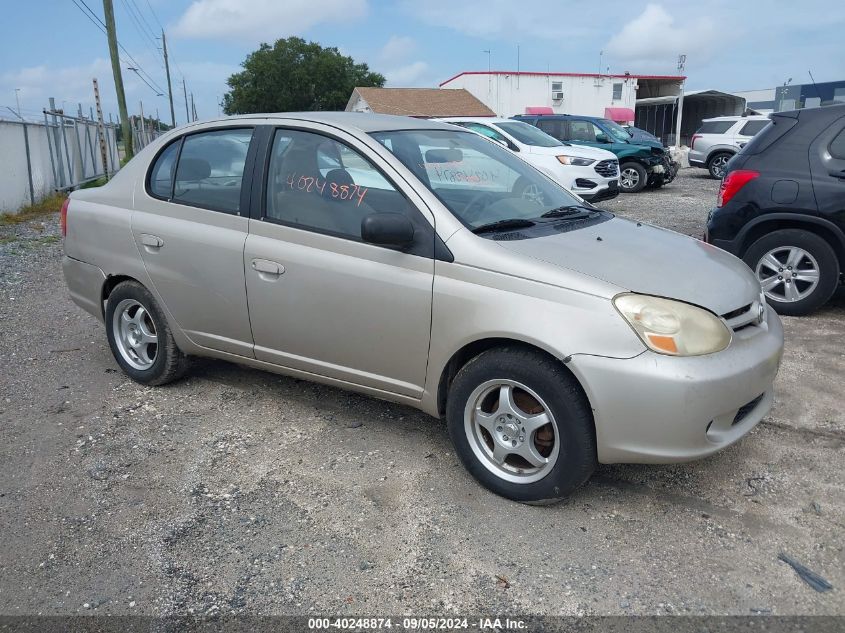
(262, 20)
(408, 75)
(653, 40)
(397, 47)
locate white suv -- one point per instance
(718, 139)
(589, 172)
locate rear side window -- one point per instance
(211, 169)
(837, 146)
(770, 134)
(715, 127)
(161, 175)
(752, 127)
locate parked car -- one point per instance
(550, 334)
(641, 164)
(781, 207)
(589, 172)
(719, 138)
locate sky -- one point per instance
(52, 48)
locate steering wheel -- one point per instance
(474, 207)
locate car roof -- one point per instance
(559, 116)
(362, 121)
(474, 119)
(737, 117)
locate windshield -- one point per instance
(478, 181)
(528, 134)
(617, 131)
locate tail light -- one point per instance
(63, 217)
(733, 182)
(693, 139)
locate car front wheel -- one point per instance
(632, 177)
(140, 338)
(798, 270)
(521, 425)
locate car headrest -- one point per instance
(193, 169)
(340, 177)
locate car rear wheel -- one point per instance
(140, 338)
(717, 164)
(798, 270)
(632, 177)
(521, 425)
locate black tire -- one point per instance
(818, 249)
(716, 164)
(572, 418)
(658, 182)
(169, 363)
(641, 178)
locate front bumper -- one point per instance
(659, 409)
(608, 193)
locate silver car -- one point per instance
(720, 138)
(391, 256)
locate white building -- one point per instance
(508, 93)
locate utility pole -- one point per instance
(169, 88)
(682, 61)
(111, 32)
(101, 130)
(185, 92)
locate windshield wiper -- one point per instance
(571, 209)
(502, 225)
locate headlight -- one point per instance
(575, 160)
(673, 327)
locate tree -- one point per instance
(295, 75)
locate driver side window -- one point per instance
(584, 131)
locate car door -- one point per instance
(190, 225)
(320, 299)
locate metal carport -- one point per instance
(658, 114)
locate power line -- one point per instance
(154, 15)
(143, 19)
(146, 39)
(93, 16)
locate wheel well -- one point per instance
(110, 284)
(470, 351)
(764, 228)
(716, 152)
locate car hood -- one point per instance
(581, 151)
(649, 260)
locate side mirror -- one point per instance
(602, 138)
(387, 229)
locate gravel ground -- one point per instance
(238, 491)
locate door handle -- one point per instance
(151, 241)
(838, 174)
(266, 267)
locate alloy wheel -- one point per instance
(718, 164)
(788, 274)
(135, 334)
(629, 178)
(511, 431)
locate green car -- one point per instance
(641, 163)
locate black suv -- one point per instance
(781, 207)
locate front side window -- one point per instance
(211, 169)
(585, 131)
(478, 181)
(553, 128)
(318, 183)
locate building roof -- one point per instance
(421, 102)
(540, 74)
